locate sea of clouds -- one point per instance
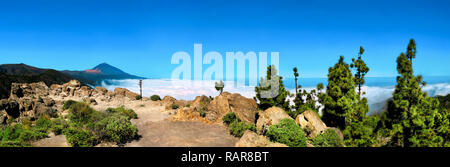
(189, 89)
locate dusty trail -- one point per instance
(156, 128)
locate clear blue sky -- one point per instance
(141, 36)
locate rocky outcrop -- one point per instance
(101, 90)
(200, 102)
(311, 123)
(251, 139)
(189, 114)
(270, 117)
(68, 89)
(19, 90)
(169, 102)
(244, 108)
(11, 107)
(122, 92)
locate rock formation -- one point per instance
(31, 101)
(244, 108)
(270, 117)
(311, 123)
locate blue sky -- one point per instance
(141, 36)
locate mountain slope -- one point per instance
(101, 72)
(20, 70)
(49, 77)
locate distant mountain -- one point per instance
(21, 73)
(102, 72)
(21, 70)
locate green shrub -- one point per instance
(121, 110)
(80, 137)
(202, 113)
(287, 132)
(43, 124)
(68, 104)
(187, 105)
(138, 97)
(238, 128)
(58, 125)
(116, 128)
(230, 118)
(175, 106)
(328, 139)
(19, 135)
(155, 98)
(82, 113)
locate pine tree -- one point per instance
(296, 77)
(340, 97)
(271, 91)
(413, 116)
(361, 70)
(303, 100)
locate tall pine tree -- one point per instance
(271, 91)
(340, 97)
(412, 115)
(361, 70)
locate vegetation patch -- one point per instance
(88, 127)
(236, 127)
(287, 132)
(20, 135)
(155, 98)
(328, 139)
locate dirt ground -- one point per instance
(157, 130)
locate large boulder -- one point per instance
(169, 101)
(55, 89)
(101, 90)
(270, 117)
(200, 102)
(19, 90)
(3, 117)
(69, 88)
(122, 92)
(86, 91)
(243, 107)
(251, 139)
(311, 123)
(11, 107)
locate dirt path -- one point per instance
(157, 130)
(183, 134)
(52, 141)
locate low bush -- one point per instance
(230, 118)
(287, 132)
(58, 125)
(238, 128)
(122, 110)
(235, 125)
(116, 128)
(138, 97)
(175, 106)
(82, 113)
(328, 139)
(19, 135)
(155, 98)
(78, 137)
(68, 104)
